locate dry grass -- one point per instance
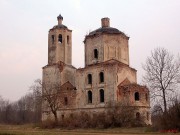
(31, 130)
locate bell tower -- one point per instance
(60, 44)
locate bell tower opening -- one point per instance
(60, 38)
(67, 39)
(53, 39)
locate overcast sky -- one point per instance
(24, 26)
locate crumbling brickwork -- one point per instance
(106, 77)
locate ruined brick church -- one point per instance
(106, 77)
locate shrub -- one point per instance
(169, 120)
(112, 117)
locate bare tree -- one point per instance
(1, 102)
(49, 95)
(161, 74)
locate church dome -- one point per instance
(60, 26)
(105, 29)
(108, 30)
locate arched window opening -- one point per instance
(101, 95)
(137, 116)
(65, 100)
(52, 39)
(60, 38)
(89, 97)
(62, 116)
(146, 96)
(136, 96)
(67, 39)
(95, 53)
(89, 79)
(101, 77)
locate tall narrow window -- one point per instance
(101, 77)
(136, 96)
(67, 39)
(52, 39)
(101, 93)
(89, 79)
(89, 97)
(137, 116)
(62, 116)
(95, 53)
(65, 100)
(60, 38)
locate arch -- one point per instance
(89, 79)
(60, 38)
(89, 96)
(95, 53)
(138, 116)
(101, 94)
(62, 116)
(67, 39)
(52, 39)
(65, 100)
(136, 96)
(101, 77)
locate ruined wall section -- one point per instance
(50, 85)
(51, 74)
(109, 46)
(52, 47)
(116, 47)
(124, 50)
(83, 87)
(126, 72)
(68, 74)
(60, 51)
(54, 76)
(67, 96)
(127, 93)
(92, 43)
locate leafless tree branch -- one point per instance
(162, 72)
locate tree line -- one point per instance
(26, 110)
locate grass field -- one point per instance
(30, 130)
